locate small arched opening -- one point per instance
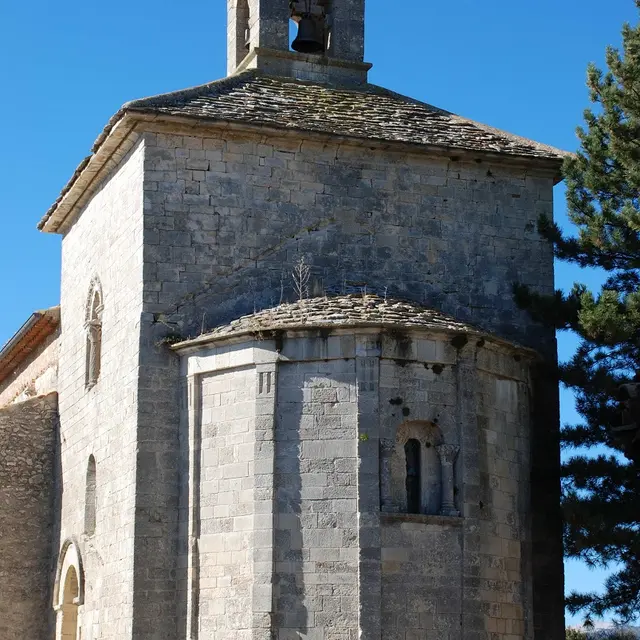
(414, 469)
(90, 500)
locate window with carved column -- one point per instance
(417, 471)
(93, 329)
(410, 469)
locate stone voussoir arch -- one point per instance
(68, 593)
(427, 433)
(68, 557)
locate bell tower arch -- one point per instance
(329, 47)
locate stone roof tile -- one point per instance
(353, 310)
(367, 113)
(370, 112)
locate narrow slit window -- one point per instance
(245, 32)
(413, 480)
(90, 503)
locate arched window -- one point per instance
(90, 498)
(93, 327)
(412, 482)
(411, 470)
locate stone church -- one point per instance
(287, 393)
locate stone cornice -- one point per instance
(204, 342)
(265, 52)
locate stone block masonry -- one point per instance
(227, 512)
(303, 527)
(189, 231)
(28, 468)
(316, 538)
(349, 482)
(105, 243)
(227, 216)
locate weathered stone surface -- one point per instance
(316, 548)
(208, 245)
(28, 468)
(449, 235)
(105, 243)
(334, 565)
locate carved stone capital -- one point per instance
(448, 453)
(387, 446)
(92, 325)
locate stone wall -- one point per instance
(422, 556)
(226, 505)
(225, 576)
(37, 376)
(228, 216)
(224, 219)
(28, 467)
(347, 557)
(104, 243)
(316, 538)
(504, 438)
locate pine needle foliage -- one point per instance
(601, 493)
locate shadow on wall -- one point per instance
(56, 512)
(188, 525)
(291, 612)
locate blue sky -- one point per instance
(65, 68)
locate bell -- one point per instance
(308, 40)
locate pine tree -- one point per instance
(601, 493)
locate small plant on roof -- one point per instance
(301, 274)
